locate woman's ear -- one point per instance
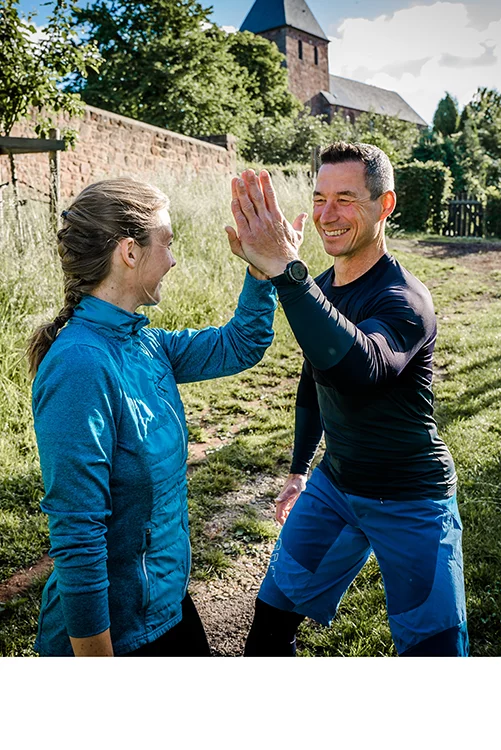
(128, 251)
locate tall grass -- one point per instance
(203, 289)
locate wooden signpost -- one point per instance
(53, 145)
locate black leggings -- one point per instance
(273, 632)
(187, 638)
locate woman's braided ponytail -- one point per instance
(97, 219)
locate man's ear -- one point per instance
(388, 203)
(128, 251)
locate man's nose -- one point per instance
(330, 212)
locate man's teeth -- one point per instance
(336, 233)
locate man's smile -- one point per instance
(335, 232)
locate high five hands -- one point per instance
(264, 237)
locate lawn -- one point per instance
(202, 290)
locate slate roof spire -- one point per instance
(272, 14)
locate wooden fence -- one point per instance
(465, 218)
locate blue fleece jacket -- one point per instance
(112, 439)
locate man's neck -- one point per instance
(347, 268)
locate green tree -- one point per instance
(31, 71)
(266, 80)
(446, 117)
(395, 137)
(165, 64)
(282, 140)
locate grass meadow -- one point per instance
(203, 289)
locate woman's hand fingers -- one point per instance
(235, 244)
(241, 195)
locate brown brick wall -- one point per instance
(305, 78)
(110, 145)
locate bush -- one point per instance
(288, 139)
(423, 190)
(493, 212)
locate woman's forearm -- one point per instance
(94, 645)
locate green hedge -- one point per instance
(423, 189)
(493, 212)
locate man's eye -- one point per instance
(344, 201)
(318, 200)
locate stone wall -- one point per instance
(110, 145)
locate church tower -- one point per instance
(298, 36)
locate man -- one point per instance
(387, 481)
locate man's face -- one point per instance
(346, 218)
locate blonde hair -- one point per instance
(98, 218)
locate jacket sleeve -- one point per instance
(372, 353)
(76, 407)
(308, 426)
(214, 352)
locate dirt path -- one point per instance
(226, 605)
(479, 255)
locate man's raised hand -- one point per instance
(264, 237)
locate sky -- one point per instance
(419, 48)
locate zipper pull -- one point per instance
(148, 537)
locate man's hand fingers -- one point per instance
(254, 190)
(269, 195)
(288, 493)
(299, 222)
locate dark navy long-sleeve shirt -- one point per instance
(366, 383)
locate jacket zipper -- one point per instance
(178, 421)
(145, 571)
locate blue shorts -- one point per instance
(328, 538)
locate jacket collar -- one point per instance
(109, 318)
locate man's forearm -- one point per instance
(324, 335)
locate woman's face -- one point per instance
(158, 261)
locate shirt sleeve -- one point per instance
(373, 352)
(76, 408)
(308, 425)
(215, 352)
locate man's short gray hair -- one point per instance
(378, 169)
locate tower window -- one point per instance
(300, 49)
(316, 55)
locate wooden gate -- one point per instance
(465, 217)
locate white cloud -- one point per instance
(421, 52)
(39, 34)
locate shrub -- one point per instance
(423, 190)
(493, 212)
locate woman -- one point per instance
(111, 430)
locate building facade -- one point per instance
(299, 36)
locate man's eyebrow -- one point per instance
(341, 192)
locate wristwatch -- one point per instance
(296, 271)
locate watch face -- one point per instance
(298, 270)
